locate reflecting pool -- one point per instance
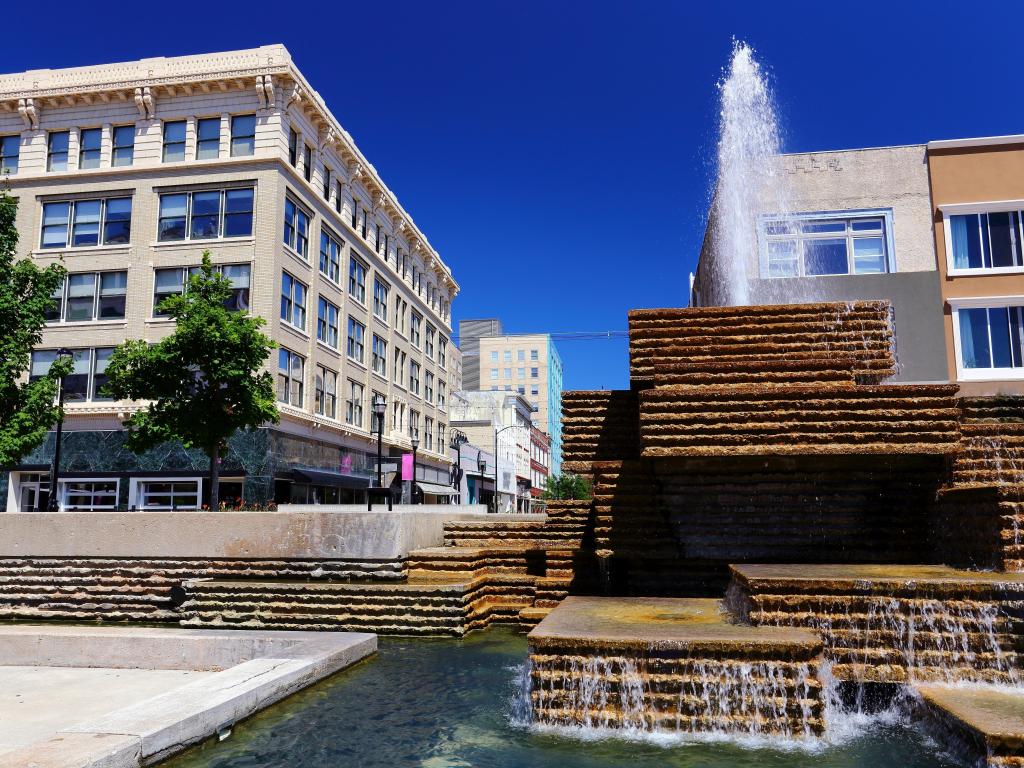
(443, 703)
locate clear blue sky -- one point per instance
(559, 154)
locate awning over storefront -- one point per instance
(332, 479)
(437, 490)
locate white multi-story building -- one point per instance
(126, 173)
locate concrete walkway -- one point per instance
(101, 697)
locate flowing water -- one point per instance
(446, 703)
(748, 174)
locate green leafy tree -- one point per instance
(204, 381)
(27, 409)
(566, 486)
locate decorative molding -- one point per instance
(295, 94)
(144, 102)
(28, 112)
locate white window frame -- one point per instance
(62, 491)
(966, 209)
(981, 302)
(135, 494)
(853, 213)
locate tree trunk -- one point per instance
(215, 478)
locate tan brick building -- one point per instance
(128, 172)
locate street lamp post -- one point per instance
(481, 465)
(415, 445)
(496, 433)
(52, 505)
(379, 406)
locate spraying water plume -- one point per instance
(748, 176)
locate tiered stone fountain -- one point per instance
(759, 448)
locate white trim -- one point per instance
(133, 490)
(986, 206)
(980, 141)
(969, 302)
(62, 490)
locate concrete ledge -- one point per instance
(340, 533)
(258, 669)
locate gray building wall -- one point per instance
(916, 307)
(470, 332)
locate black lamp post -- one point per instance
(481, 464)
(52, 505)
(379, 406)
(415, 445)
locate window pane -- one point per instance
(243, 135)
(41, 362)
(89, 148)
(208, 138)
(825, 257)
(782, 261)
(867, 225)
(999, 331)
(174, 141)
(76, 384)
(173, 209)
(868, 255)
(81, 296)
(86, 227)
(10, 147)
(99, 377)
(55, 224)
(124, 145)
(113, 287)
(813, 227)
(974, 349)
(205, 215)
(238, 212)
(117, 224)
(1003, 238)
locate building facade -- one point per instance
(978, 213)
(858, 225)
(128, 172)
(527, 364)
(540, 464)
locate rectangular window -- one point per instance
(174, 141)
(330, 256)
(987, 241)
(521, 355)
(296, 228)
(355, 212)
(429, 346)
(400, 368)
(494, 356)
(442, 351)
(507, 356)
(326, 392)
(508, 373)
(442, 389)
(289, 377)
(327, 323)
(170, 494)
(243, 135)
(88, 372)
(534, 355)
(172, 282)
(327, 184)
(57, 150)
(354, 406)
(991, 338)
(414, 377)
(10, 149)
(357, 280)
(293, 148)
(293, 301)
(520, 373)
(356, 339)
(85, 223)
(428, 433)
(90, 143)
(123, 153)
(208, 138)
(834, 245)
(380, 355)
(428, 387)
(206, 214)
(338, 196)
(307, 163)
(239, 275)
(400, 308)
(88, 494)
(414, 329)
(90, 296)
(494, 374)
(414, 424)
(534, 373)
(380, 299)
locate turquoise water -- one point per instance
(445, 703)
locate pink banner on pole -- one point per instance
(407, 466)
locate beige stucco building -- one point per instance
(128, 172)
